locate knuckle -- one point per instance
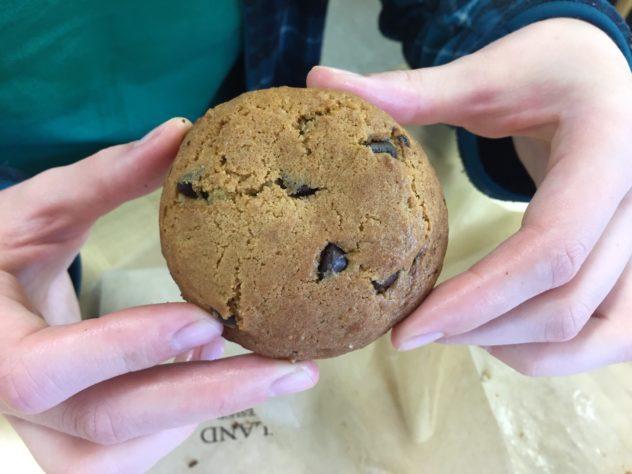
(568, 322)
(559, 329)
(97, 424)
(19, 390)
(565, 261)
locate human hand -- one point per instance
(555, 297)
(89, 396)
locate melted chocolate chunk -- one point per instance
(281, 183)
(383, 146)
(332, 260)
(186, 189)
(304, 190)
(382, 286)
(296, 190)
(403, 139)
(230, 322)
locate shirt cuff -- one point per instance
(522, 189)
(616, 30)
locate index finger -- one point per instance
(564, 221)
(41, 368)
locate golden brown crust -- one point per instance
(267, 181)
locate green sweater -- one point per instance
(80, 75)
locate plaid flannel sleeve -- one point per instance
(434, 32)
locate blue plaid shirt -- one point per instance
(283, 38)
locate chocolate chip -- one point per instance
(332, 260)
(382, 286)
(403, 139)
(192, 463)
(417, 259)
(186, 189)
(383, 146)
(281, 183)
(304, 190)
(231, 322)
(296, 190)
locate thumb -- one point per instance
(473, 92)
(64, 201)
(420, 96)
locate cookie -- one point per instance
(307, 220)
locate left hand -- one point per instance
(92, 396)
(555, 297)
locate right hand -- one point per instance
(89, 396)
(554, 298)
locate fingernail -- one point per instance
(213, 350)
(195, 334)
(341, 72)
(420, 340)
(344, 71)
(160, 128)
(301, 378)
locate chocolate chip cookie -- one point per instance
(307, 220)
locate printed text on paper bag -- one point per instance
(238, 426)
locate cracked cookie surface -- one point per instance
(307, 220)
